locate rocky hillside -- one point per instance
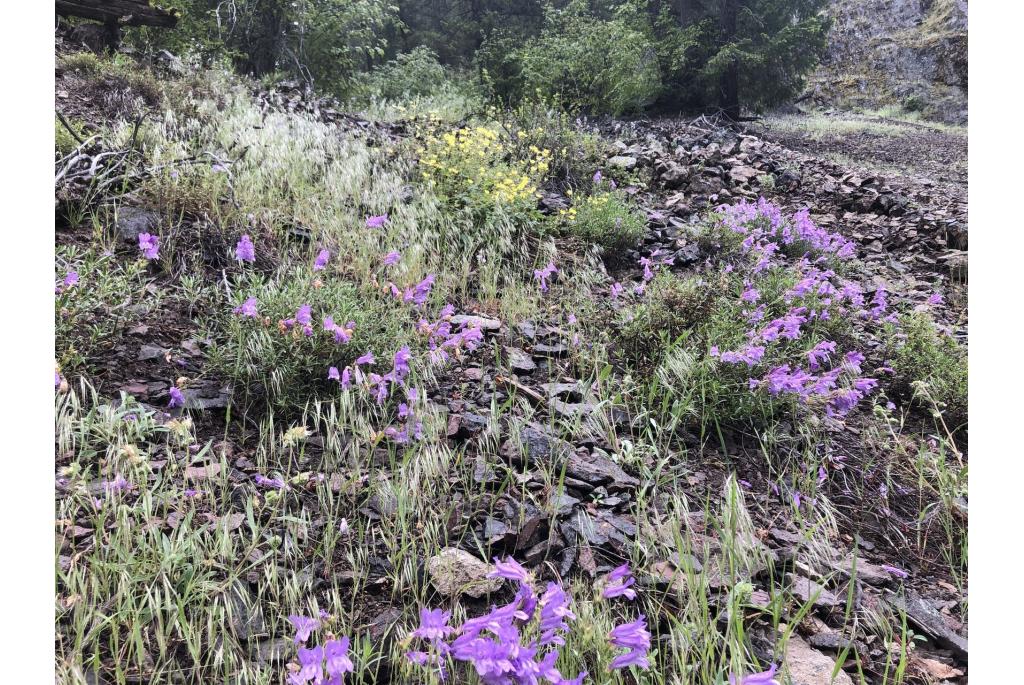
(910, 54)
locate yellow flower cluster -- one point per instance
(479, 162)
(591, 202)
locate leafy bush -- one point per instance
(672, 307)
(543, 123)
(82, 62)
(928, 364)
(603, 66)
(97, 298)
(410, 74)
(606, 218)
(274, 356)
(473, 168)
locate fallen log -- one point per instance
(119, 12)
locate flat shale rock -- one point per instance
(520, 362)
(925, 616)
(456, 572)
(472, 321)
(807, 666)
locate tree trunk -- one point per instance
(265, 38)
(729, 84)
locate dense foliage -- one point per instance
(602, 56)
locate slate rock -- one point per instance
(519, 361)
(925, 616)
(623, 162)
(472, 321)
(133, 221)
(807, 666)
(456, 572)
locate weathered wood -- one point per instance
(120, 12)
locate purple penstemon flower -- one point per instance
(619, 582)
(321, 260)
(376, 221)
(177, 398)
(392, 258)
(272, 483)
(898, 572)
(765, 678)
(542, 275)
(554, 610)
(71, 279)
(337, 660)
(820, 353)
(149, 245)
(433, 625)
(304, 626)
(311, 662)
(119, 484)
(245, 251)
(597, 177)
(248, 309)
(616, 290)
(634, 637)
(510, 569)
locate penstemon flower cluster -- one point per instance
(518, 643)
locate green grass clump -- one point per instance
(929, 367)
(268, 361)
(82, 62)
(672, 307)
(606, 218)
(110, 295)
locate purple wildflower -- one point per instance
(304, 314)
(365, 359)
(391, 258)
(177, 398)
(619, 584)
(376, 221)
(820, 353)
(634, 637)
(597, 177)
(312, 666)
(338, 661)
(150, 246)
(616, 290)
(554, 610)
(321, 260)
(304, 626)
(933, 299)
(765, 678)
(248, 308)
(119, 484)
(542, 275)
(433, 625)
(510, 569)
(898, 572)
(71, 279)
(332, 374)
(272, 483)
(245, 251)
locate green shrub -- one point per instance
(269, 360)
(603, 66)
(672, 306)
(928, 365)
(606, 218)
(109, 296)
(82, 62)
(473, 168)
(411, 74)
(63, 141)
